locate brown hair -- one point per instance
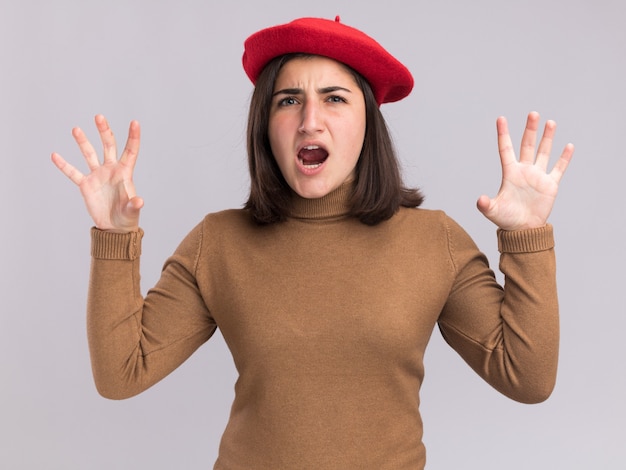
(378, 190)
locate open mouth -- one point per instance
(312, 156)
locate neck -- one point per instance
(334, 204)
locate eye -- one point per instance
(288, 101)
(336, 99)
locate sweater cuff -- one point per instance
(110, 245)
(526, 241)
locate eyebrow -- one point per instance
(300, 91)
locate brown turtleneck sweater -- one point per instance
(327, 320)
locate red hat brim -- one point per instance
(389, 79)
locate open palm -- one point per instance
(108, 189)
(527, 192)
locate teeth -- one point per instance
(308, 165)
(311, 147)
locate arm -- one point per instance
(133, 342)
(510, 337)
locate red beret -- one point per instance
(389, 79)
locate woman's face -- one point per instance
(316, 125)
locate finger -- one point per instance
(545, 146)
(561, 165)
(483, 204)
(91, 157)
(67, 169)
(505, 146)
(136, 203)
(107, 138)
(131, 212)
(131, 150)
(529, 139)
(129, 187)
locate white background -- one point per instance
(176, 67)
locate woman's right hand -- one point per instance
(108, 189)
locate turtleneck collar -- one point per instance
(334, 204)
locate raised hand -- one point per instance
(527, 191)
(108, 189)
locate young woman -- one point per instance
(329, 282)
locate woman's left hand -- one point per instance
(528, 191)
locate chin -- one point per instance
(312, 192)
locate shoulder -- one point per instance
(436, 226)
(228, 221)
(421, 214)
(230, 226)
(214, 233)
(218, 225)
(228, 217)
(424, 219)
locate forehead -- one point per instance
(300, 70)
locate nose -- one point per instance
(312, 119)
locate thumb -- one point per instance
(483, 204)
(133, 207)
